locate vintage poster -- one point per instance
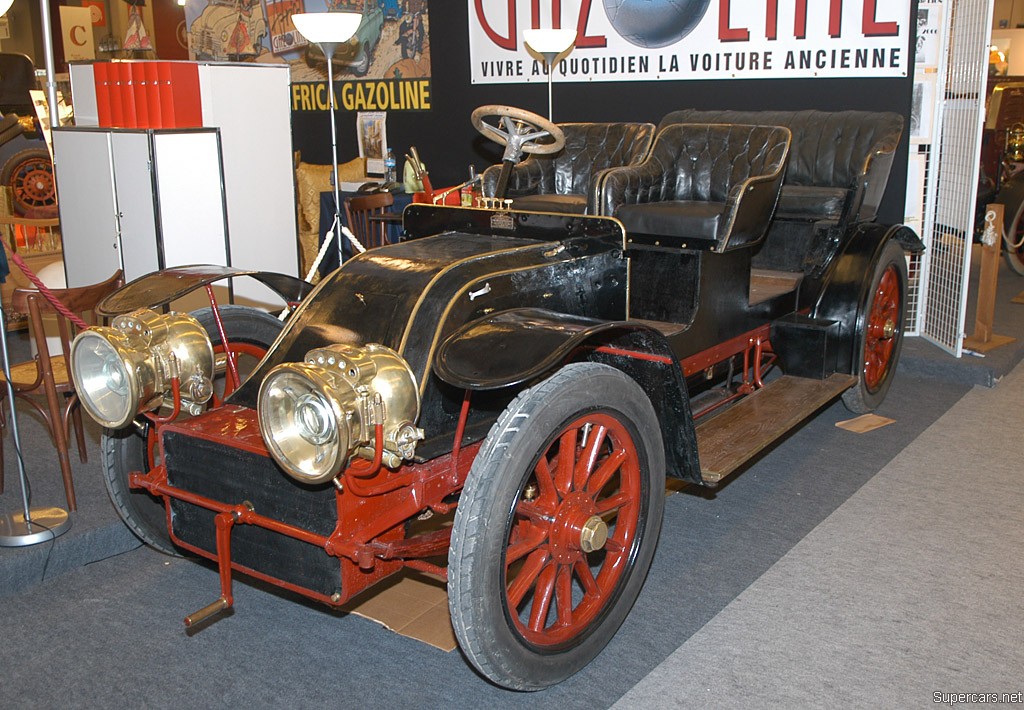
(283, 37)
(644, 40)
(384, 67)
(76, 29)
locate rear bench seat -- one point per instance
(838, 161)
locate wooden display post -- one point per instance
(983, 339)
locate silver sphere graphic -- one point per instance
(654, 23)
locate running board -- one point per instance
(730, 439)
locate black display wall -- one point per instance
(448, 143)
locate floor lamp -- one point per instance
(328, 30)
(549, 44)
(31, 525)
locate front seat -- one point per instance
(566, 181)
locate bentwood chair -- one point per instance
(359, 210)
(47, 375)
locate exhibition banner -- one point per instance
(384, 67)
(644, 40)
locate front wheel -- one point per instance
(556, 527)
(880, 331)
(128, 450)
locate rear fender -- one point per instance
(520, 346)
(845, 294)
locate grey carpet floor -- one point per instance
(104, 629)
(912, 587)
(110, 634)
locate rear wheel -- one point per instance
(128, 450)
(556, 527)
(29, 174)
(880, 332)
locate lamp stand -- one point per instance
(549, 59)
(30, 526)
(328, 49)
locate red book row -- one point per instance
(148, 94)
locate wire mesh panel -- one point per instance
(952, 180)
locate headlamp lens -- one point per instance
(102, 381)
(301, 428)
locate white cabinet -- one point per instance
(250, 105)
(139, 200)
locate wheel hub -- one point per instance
(576, 528)
(594, 534)
(889, 329)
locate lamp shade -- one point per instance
(326, 26)
(548, 41)
(5, 5)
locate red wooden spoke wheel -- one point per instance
(883, 321)
(880, 331)
(250, 333)
(556, 526)
(29, 175)
(573, 530)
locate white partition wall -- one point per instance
(250, 105)
(953, 163)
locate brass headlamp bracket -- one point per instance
(372, 385)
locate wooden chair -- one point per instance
(48, 376)
(370, 233)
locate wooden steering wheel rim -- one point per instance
(527, 117)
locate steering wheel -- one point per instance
(518, 130)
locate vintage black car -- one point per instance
(524, 379)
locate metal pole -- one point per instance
(14, 414)
(45, 523)
(549, 57)
(31, 526)
(51, 83)
(328, 48)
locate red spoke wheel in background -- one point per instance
(250, 333)
(29, 175)
(880, 331)
(556, 527)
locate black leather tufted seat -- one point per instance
(710, 183)
(565, 182)
(839, 162)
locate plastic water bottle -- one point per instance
(390, 167)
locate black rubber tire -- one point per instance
(494, 488)
(863, 397)
(10, 175)
(124, 450)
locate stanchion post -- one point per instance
(984, 338)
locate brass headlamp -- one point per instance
(316, 415)
(128, 368)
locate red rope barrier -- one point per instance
(47, 293)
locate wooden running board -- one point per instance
(728, 440)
